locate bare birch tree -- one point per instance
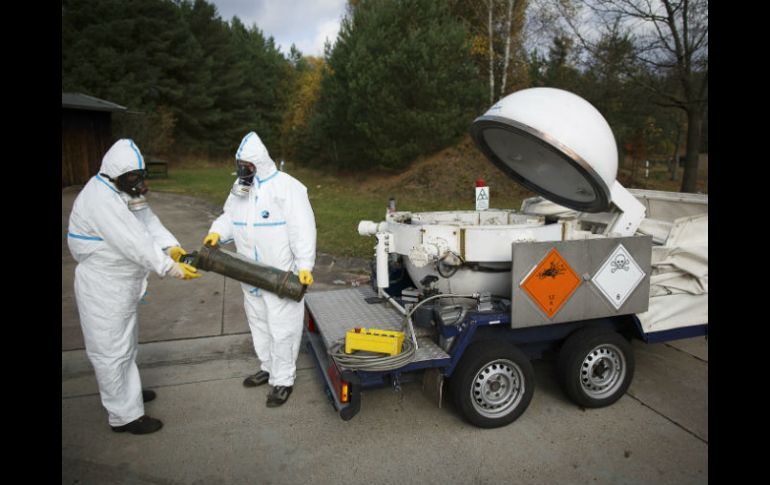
(671, 40)
(496, 28)
(507, 55)
(490, 8)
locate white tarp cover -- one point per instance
(679, 277)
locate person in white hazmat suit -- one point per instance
(268, 215)
(117, 240)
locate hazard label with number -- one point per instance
(618, 276)
(551, 283)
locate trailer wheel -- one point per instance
(493, 384)
(595, 367)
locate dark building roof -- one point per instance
(89, 103)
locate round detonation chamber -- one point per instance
(467, 251)
(549, 140)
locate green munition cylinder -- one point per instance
(233, 265)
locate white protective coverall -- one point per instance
(274, 224)
(115, 249)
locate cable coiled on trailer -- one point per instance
(372, 361)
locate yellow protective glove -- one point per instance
(211, 240)
(306, 277)
(185, 272)
(176, 252)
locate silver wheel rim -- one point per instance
(602, 371)
(497, 388)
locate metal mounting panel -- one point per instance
(338, 311)
(585, 259)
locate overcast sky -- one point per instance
(305, 23)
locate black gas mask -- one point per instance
(132, 182)
(245, 172)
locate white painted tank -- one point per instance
(468, 251)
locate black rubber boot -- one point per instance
(148, 395)
(143, 425)
(257, 379)
(278, 395)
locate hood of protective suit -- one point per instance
(124, 156)
(253, 150)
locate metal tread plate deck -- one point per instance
(337, 311)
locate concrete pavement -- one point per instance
(195, 350)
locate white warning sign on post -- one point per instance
(618, 276)
(482, 198)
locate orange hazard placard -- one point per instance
(551, 283)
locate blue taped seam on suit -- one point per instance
(87, 238)
(105, 183)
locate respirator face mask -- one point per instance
(131, 182)
(245, 172)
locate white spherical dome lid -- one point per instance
(554, 143)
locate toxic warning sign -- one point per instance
(551, 283)
(618, 276)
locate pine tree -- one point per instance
(400, 83)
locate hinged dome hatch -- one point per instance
(554, 143)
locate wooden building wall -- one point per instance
(85, 138)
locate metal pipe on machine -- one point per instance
(233, 265)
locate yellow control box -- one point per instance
(374, 340)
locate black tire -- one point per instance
(595, 367)
(493, 384)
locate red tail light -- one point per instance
(309, 322)
(341, 387)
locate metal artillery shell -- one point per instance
(283, 283)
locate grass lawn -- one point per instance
(338, 205)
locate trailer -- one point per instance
(578, 271)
